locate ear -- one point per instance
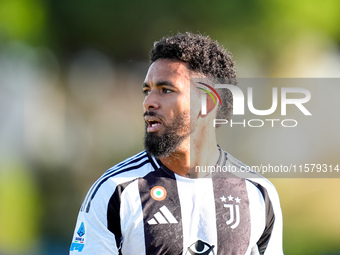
(210, 104)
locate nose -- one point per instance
(151, 101)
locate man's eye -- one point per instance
(166, 91)
(146, 92)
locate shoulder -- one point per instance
(252, 177)
(122, 173)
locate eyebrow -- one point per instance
(160, 83)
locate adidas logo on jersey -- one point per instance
(163, 217)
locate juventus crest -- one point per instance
(231, 204)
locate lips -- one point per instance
(154, 123)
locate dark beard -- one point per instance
(165, 144)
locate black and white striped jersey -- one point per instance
(141, 207)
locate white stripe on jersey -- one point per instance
(197, 200)
(257, 208)
(132, 227)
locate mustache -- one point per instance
(150, 113)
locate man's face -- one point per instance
(166, 106)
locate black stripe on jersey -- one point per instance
(113, 213)
(165, 236)
(232, 214)
(262, 243)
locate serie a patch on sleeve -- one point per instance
(79, 239)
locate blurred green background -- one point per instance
(71, 102)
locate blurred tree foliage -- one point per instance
(20, 208)
(126, 29)
(22, 20)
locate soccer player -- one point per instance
(156, 202)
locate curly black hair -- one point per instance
(203, 55)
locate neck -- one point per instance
(203, 152)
